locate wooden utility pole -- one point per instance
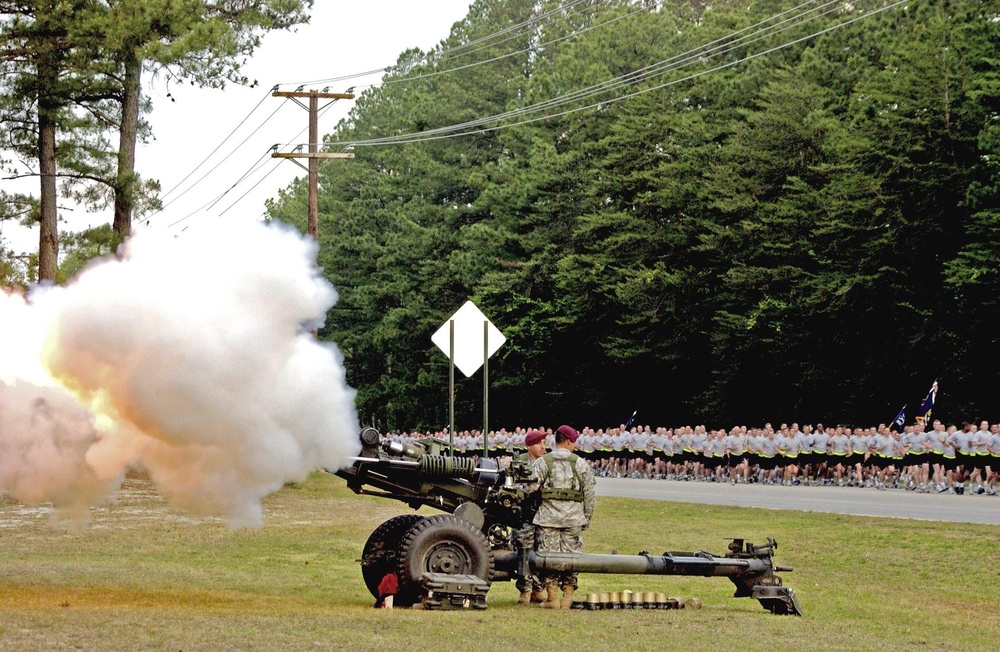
(313, 154)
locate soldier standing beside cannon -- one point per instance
(530, 587)
(566, 485)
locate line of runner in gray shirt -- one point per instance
(941, 459)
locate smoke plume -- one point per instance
(190, 358)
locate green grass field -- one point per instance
(141, 577)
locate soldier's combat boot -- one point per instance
(552, 601)
(525, 597)
(538, 596)
(567, 601)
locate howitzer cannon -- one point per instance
(483, 503)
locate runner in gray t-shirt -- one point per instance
(968, 459)
(917, 447)
(978, 443)
(859, 454)
(820, 446)
(697, 444)
(950, 444)
(993, 448)
(839, 452)
(791, 446)
(882, 448)
(767, 454)
(736, 452)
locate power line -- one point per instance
(443, 53)
(486, 41)
(260, 162)
(224, 159)
(513, 54)
(253, 169)
(224, 140)
(746, 36)
(760, 30)
(484, 46)
(639, 92)
(251, 189)
(531, 21)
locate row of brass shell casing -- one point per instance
(606, 600)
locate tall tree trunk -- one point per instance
(128, 133)
(48, 239)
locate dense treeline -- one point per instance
(812, 234)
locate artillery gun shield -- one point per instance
(441, 544)
(381, 553)
(472, 513)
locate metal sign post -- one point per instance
(451, 386)
(486, 389)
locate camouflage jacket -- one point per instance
(564, 513)
(530, 506)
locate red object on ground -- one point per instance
(389, 585)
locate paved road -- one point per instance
(836, 500)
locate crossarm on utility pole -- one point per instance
(314, 154)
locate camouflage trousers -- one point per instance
(525, 540)
(559, 539)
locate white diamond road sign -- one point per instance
(469, 338)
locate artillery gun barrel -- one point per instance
(703, 565)
(377, 460)
(752, 571)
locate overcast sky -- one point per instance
(343, 37)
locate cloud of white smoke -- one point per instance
(194, 360)
(45, 436)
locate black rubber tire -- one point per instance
(442, 544)
(381, 553)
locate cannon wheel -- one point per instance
(381, 553)
(441, 544)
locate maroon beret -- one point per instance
(568, 433)
(533, 437)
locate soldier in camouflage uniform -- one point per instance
(530, 587)
(566, 484)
